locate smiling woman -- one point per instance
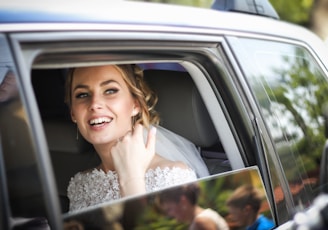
(113, 109)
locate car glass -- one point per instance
(168, 208)
(23, 181)
(291, 91)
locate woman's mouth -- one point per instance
(100, 121)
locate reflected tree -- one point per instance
(302, 92)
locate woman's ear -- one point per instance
(73, 117)
(136, 109)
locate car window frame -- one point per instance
(43, 162)
(25, 55)
(4, 197)
(255, 126)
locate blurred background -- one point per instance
(312, 14)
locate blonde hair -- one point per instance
(140, 91)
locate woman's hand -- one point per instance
(131, 159)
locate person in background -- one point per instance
(244, 205)
(8, 85)
(113, 109)
(181, 203)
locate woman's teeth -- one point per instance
(98, 121)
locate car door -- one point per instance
(211, 63)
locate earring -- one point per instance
(77, 133)
(134, 119)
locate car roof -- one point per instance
(119, 11)
(70, 15)
(105, 11)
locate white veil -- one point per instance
(177, 148)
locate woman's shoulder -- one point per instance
(210, 217)
(164, 173)
(171, 170)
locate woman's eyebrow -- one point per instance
(108, 82)
(80, 86)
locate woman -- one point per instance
(113, 109)
(181, 203)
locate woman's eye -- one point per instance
(111, 91)
(81, 95)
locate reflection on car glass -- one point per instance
(8, 85)
(162, 208)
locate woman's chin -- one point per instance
(101, 141)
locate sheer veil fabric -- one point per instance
(177, 148)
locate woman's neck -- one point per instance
(104, 153)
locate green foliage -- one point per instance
(310, 92)
(294, 11)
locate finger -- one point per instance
(151, 140)
(138, 131)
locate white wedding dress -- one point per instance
(95, 186)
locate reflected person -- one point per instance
(181, 203)
(244, 205)
(8, 86)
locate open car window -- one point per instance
(180, 106)
(187, 103)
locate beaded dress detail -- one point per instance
(95, 186)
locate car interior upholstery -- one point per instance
(183, 111)
(179, 104)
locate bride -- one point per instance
(114, 110)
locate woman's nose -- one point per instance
(96, 102)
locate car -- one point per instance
(248, 89)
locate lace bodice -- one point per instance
(95, 186)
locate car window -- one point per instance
(168, 208)
(65, 147)
(291, 91)
(23, 181)
(179, 84)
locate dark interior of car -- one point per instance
(180, 106)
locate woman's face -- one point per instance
(102, 105)
(174, 210)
